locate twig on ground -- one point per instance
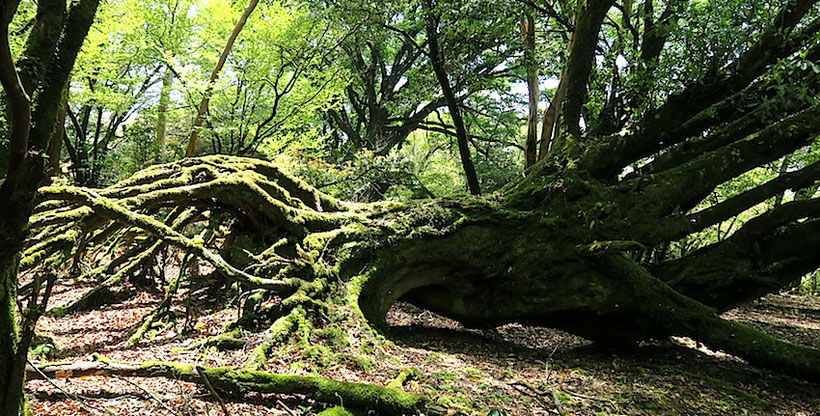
(287, 409)
(83, 401)
(583, 396)
(212, 391)
(534, 392)
(149, 393)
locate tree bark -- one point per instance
(12, 221)
(535, 255)
(32, 127)
(437, 62)
(588, 23)
(162, 111)
(531, 144)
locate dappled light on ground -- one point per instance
(525, 370)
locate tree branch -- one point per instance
(18, 100)
(652, 133)
(238, 381)
(683, 187)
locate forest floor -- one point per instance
(519, 369)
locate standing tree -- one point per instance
(223, 57)
(572, 244)
(409, 59)
(34, 94)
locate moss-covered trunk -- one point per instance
(11, 401)
(555, 249)
(13, 220)
(488, 269)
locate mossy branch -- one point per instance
(235, 381)
(112, 209)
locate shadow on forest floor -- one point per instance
(677, 377)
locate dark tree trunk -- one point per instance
(531, 144)
(437, 62)
(49, 55)
(12, 392)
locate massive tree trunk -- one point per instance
(556, 249)
(565, 246)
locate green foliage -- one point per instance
(278, 79)
(810, 284)
(137, 149)
(367, 177)
(745, 182)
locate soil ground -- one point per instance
(518, 369)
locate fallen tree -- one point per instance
(572, 244)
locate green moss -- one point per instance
(323, 357)
(336, 411)
(278, 333)
(564, 398)
(365, 396)
(222, 342)
(333, 335)
(403, 376)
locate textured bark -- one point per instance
(12, 394)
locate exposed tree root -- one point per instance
(386, 400)
(681, 315)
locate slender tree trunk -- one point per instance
(55, 145)
(437, 62)
(784, 167)
(162, 111)
(549, 121)
(203, 105)
(531, 145)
